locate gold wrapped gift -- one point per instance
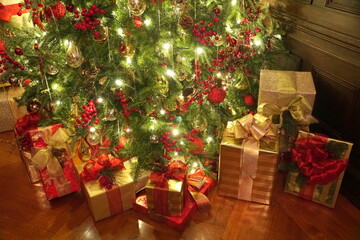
(281, 91)
(16, 110)
(247, 170)
(323, 193)
(104, 203)
(32, 172)
(168, 201)
(6, 119)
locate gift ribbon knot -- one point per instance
(175, 170)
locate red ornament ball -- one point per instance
(18, 51)
(216, 95)
(58, 11)
(70, 7)
(249, 99)
(217, 11)
(196, 146)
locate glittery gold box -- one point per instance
(6, 119)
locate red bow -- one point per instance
(315, 161)
(7, 11)
(176, 170)
(100, 169)
(26, 123)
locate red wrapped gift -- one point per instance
(51, 155)
(191, 203)
(165, 190)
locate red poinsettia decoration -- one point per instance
(315, 161)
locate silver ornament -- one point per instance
(52, 70)
(154, 139)
(110, 115)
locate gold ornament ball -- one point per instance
(13, 80)
(110, 115)
(154, 139)
(243, 85)
(33, 106)
(93, 138)
(103, 35)
(137, 7)
(52, 70)
(127, 50)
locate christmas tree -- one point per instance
(153, 79)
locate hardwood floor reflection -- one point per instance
(26, 214)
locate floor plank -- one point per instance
(26, 214)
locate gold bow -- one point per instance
(298, 107)
(251, 129)
(45, 157)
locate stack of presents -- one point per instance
(249, 159)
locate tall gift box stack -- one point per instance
(287, 98)
(248, 159)
(318, 166)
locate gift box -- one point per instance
(287, 97)
(9, 13)
(6, 119)
(51, 155)
(190, 204)
(16, 110)
(106, 196)
(165, 190)
(248, 159)
(319, 164)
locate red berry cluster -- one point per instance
(204, 33)
(5, 58)
(191, 136)
(124, 104)
(105, 182)
(25, 143)
(90, 19)
(88, 115)
(169, 145)
(28, 5)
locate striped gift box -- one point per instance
(231, 181)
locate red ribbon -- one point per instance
(176, 170)
(26, 123)
(96, 170)
(315, 161)
(7, 11)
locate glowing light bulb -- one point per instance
(44, 33)
(257, 42)
(128, 60)
(233, 2)
(176, 154)
(120, 31)
(218, 74)
(183, 58)
(162, 111)
(66, 43)
(175, 132)
(182, 143)
(209, 139)
(55, 86)
(166, 46)
(171, 73)
(147, 22)
(100, 100)
(92, 129)
(195, 164)
(199, 50)
(58, 102)
(119, 82)
(127, 129)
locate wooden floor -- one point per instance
(26, 214)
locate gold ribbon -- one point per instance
(298, 107)
(45, 158)
(250, 129)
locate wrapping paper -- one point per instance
(57, 173)
(324, 194)
(32, 172)
(104, 203)
(233, 180)
(9, 14)
(280, 88)
(6, 119)
(16, 110)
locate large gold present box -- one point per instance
(282, 88)
(234, 178)
(324, 172)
